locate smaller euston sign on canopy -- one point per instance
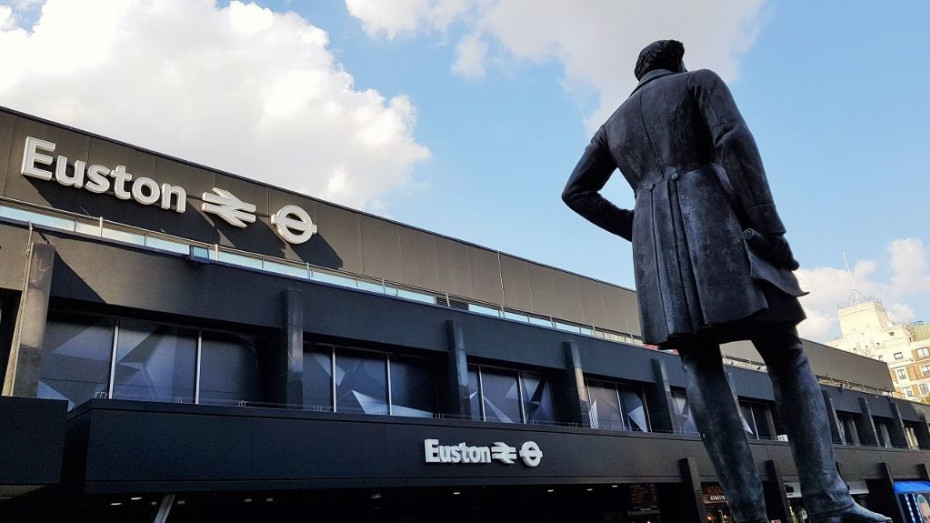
(291, 222)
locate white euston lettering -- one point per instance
(120, 177)
(180, 197)
(61, 173)
(97, 179)
(31, 157)
(139, 195)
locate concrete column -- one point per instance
(896, 430)
(577, 392)
(662, 413)
(287, 383)
(22, 371)
(866, 425)
(692, 480)
(833, 420)
(776, 499)
(458, 400)
(886, 501)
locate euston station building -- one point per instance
(182, 344)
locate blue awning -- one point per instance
(906, 487)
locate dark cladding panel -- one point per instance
(568, 290)
(193, 223)
(453, 266)
(835, 363)
(315, 250)
(827, 362)
(194, 180)
(381, 249)
(419, 260)
(485, 275)
(7, 123)
(340, 229)
(253, 237)
(517, 293)
(250, 192)
(621, 309)
(110, 155)
(542, 285)
(32, 441)
(743, 349)
(35, 190)
(592, 302)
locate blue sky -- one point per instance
(473, 113)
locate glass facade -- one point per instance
(682, 417)
(229, 369)
(500, 396)
(757, 420)
(318, 380)
(361, 383)
(367, 382)
(411, 387)
(615, 406)
(76, 359)
(848, 431)
(154, 362)
(510, 396)
(86, 357)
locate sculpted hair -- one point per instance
(663, 54)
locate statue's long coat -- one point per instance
(683, 146)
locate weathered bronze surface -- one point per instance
(712, 265)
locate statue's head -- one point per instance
(664, 54)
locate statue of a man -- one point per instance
(712, 266)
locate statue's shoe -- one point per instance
(852, 514)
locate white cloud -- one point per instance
(829, 287)
(240, 88)
(596, 41)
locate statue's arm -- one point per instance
(736, 150)
(582, 194)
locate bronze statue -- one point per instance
(712, 266)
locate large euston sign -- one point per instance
(529, 453)
(291, 222)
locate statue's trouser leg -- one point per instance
(799, 400)
(717, 417)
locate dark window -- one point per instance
(412, 390)
(617, 406)
(318, 379)
(537, 398)
(510, 396)
(154, 362)
(848, 430)
(361, 383)
(757, 420)
(910, 435)
(605, 406)
(501, 396)
(229, 371)
(474, 394)
(684, 418)
(76, 359)
(884, 435)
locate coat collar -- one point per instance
(650, 76)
